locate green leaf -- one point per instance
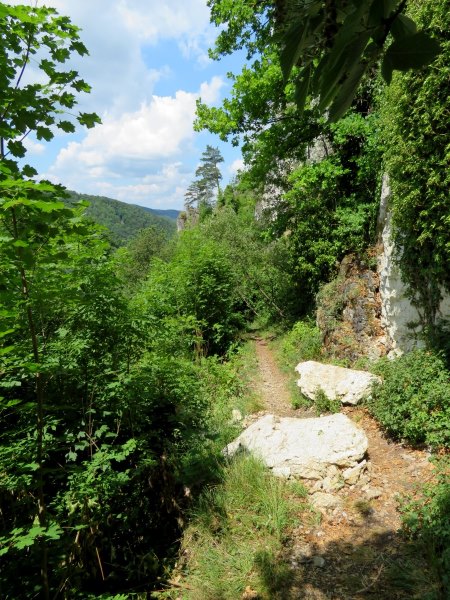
(53, 531)
(403, 26)
(17, 149)
(346, 93)
(302, 88)
(5, 333)
(89, 119)
(66, 126)
(387, 69)
(294, 42)
(44, 133)
(413, 51)
(29, 171)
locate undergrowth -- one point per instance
(426, 523)
(235, 537)
(300, 343)
(413, 402)
(413, 405)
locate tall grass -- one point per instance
(235, 536)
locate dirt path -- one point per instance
(272, 383)
(357, 551)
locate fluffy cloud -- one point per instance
(128, 147)
(163, 189)
(236, 165)
(141, 51)
(115, 31)
(170, 19)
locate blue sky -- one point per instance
(148, 64)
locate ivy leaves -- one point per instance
(333, 47)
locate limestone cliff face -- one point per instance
(367, 311)
(400, 319)
(349, 312)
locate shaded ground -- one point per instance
(358, 551)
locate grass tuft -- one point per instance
(234, 539)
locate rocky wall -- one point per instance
(400, 319)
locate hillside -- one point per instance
(124, 220)
(170, 213)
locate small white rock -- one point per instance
(318, 561)
(373, 493)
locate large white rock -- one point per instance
(347, 385)
(305, 448)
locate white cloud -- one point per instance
(134, 144)
(33, 147)
(236, 165)
(153, 20)
(114, 32)
(145, 149)
(163, 189)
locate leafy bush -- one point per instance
(330, 207)
(427, 520)
(413, 402)
(323, 404)
(303, 342)
(195, 289)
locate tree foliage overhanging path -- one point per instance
(325, 48)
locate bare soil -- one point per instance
(358, 551)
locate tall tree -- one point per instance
(207, 183)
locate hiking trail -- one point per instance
(356, 551)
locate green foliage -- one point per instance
(323, 404)
(426, 521)
(302, 342)
(235, 535)
(333, 46)
(330, 208)
(197, 285)
(123, 221)
(262, 280)
(134, 260)
(413, 402)
(415, 131)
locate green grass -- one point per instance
(235, 536)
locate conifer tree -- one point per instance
(207, 183)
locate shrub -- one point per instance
(426, 520)
(323, 404)
(302, 342)
(413, 403)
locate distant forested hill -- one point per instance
(169, 213)
(124, 220)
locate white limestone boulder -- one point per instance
(338, 383)
(306, 448)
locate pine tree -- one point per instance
(207, 183)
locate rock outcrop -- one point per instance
(400, 318)
(306, 448)
(338, 383)
(349, 312)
